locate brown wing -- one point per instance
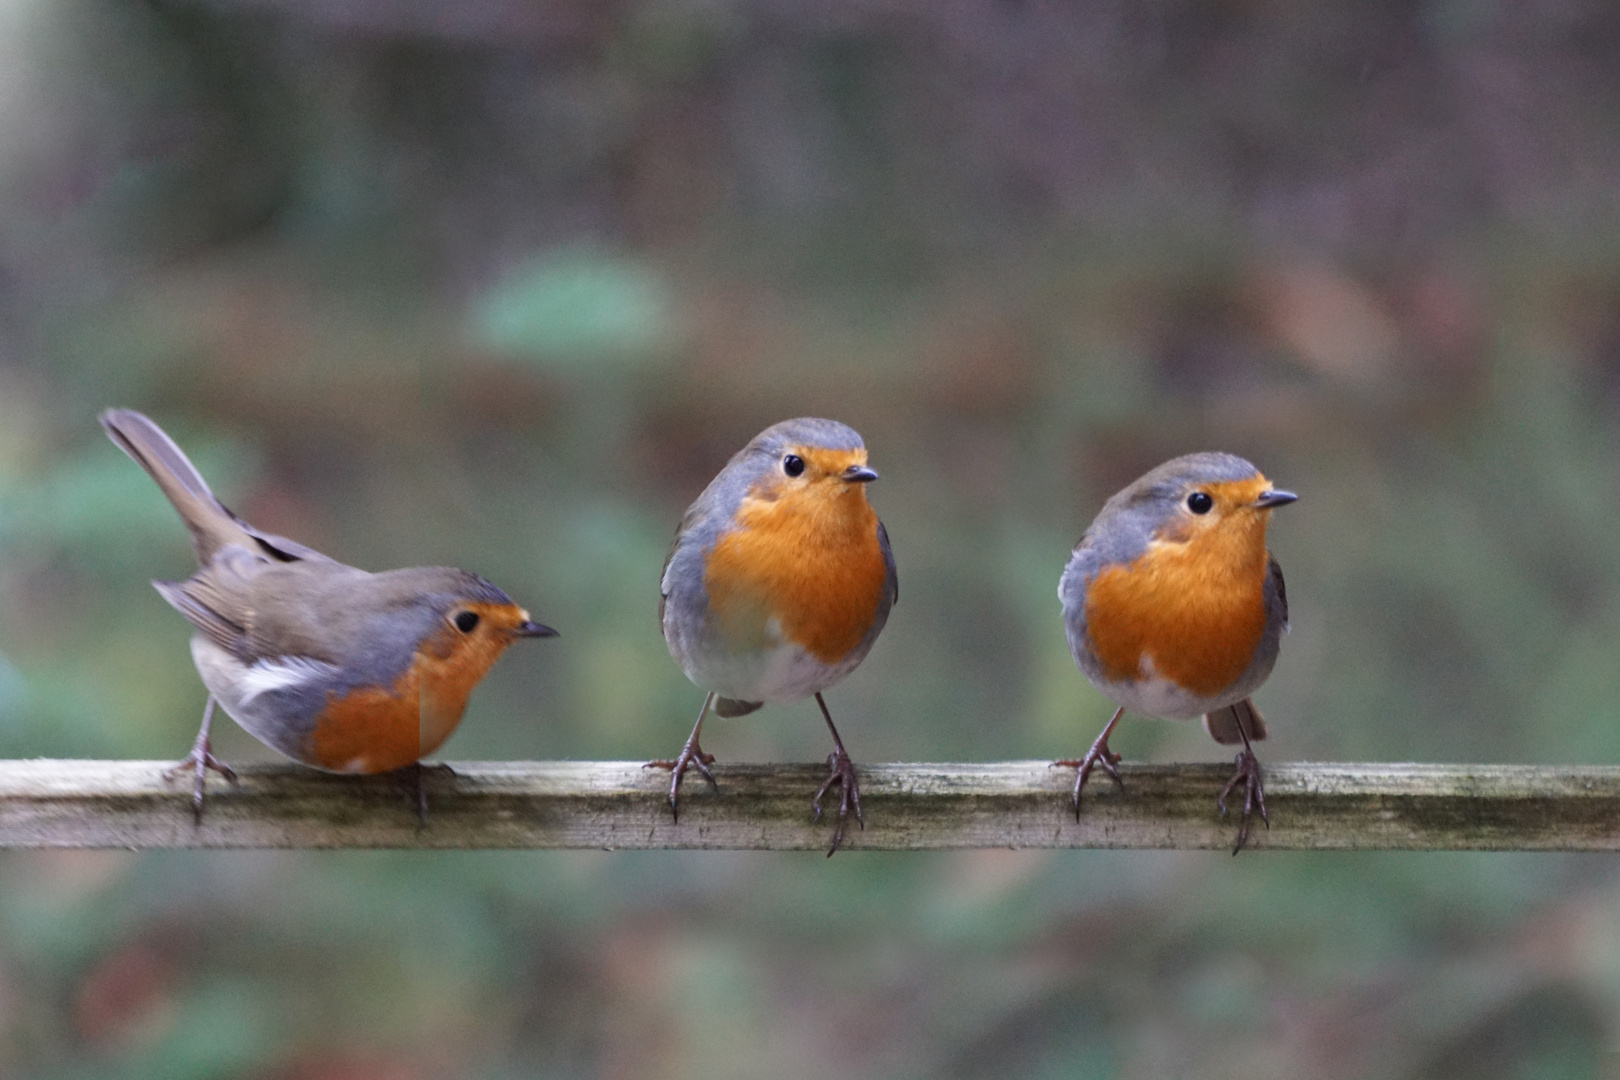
(1282, 590)
(217, 598)
(260, 609)
(888, 562)
(689, 521)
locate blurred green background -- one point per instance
(501, 284)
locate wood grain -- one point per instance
(619, 805)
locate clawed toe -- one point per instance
(413, 779)
(1084, 765)
(200, 760)
(841, 771)
(1246, 773)
(690, 757)
(1099, 754)
(199, 763)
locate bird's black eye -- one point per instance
(465, 621)
(793, 465)
(1199, 502)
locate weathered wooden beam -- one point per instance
(584, 804)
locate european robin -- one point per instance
(344, 670)
(1174, 608)
(776, 586)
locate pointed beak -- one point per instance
(1274, 498)
(860, 474)
(530, 628)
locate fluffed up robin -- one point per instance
(337, 668)
(1174, 608)
(776, 586)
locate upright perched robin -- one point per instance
(340, 669)
(1174, 608)
(778, 582)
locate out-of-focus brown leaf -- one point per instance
(126, 999)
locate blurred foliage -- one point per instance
(580, 307)
(502, 285)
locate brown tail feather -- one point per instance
(729, 707)
(1227, 726)
(212, 526)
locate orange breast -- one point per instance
(371, 730)
(377, 729)
(1196, 610)
(812, 562)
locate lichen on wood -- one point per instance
(618, 805)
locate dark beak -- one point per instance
(530, 628)
(860, 474)
(1274, 498)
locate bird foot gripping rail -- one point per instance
(618, 805)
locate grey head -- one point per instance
(1128, 522)
(384, 616)
(1135, 512)
(804, 431)
(764, 454)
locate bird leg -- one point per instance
(1099, 754)
(841, 771)
(201, 760)
(412, 779)
(690, 757)
(1247, 773)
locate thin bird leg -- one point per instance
(841, 772)
(201, 760)
(412, 779)
(1099, 754)
(1247, 773)
(691, 757)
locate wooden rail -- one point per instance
(617, 805)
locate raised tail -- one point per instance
(212, 526)
(1228, 726)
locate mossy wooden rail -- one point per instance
(619, 805)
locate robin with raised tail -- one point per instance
(337, 668)
(1175, 609)
(776, 586)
